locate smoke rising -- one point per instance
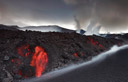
(77, 23)
(96, 30)
(110, 14)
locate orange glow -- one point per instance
(39, 60)
(76, 55)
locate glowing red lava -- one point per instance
(39, 60)
(76, 55)
(95, 43)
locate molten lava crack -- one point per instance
(39, 58)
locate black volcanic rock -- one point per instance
(62, 49)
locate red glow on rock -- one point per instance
(12, 61)
(101, 46)
(76, 55)
(95, 43)
(16, 61)
(19, 72)
(39, 60)
(23, 50)
(92, 41)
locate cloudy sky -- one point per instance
(112, 15)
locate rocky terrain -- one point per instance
(25, 54)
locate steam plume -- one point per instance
(111, 14)
(96, 30)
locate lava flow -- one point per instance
(39, 60)
(94, 43)
(76, 55)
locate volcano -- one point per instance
(26, 54)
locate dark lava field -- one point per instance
(26, 54)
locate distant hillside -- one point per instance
(53, 28)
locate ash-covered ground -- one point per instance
(25, 54)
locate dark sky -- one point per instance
(112, 15)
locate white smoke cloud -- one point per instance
(96, 30)
(110, 14)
